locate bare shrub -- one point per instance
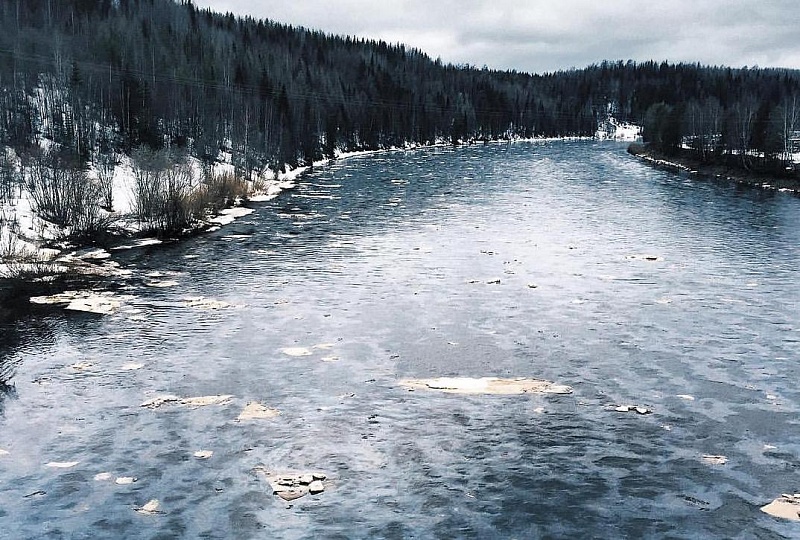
(257, 185)
(9, 179)
(223, 190)
(64, 195)
(178, 212)
(17, 259)
(163, 192)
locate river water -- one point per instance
(632, 285)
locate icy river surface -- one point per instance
(565, 261)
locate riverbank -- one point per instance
(688, 165)
(47, 271)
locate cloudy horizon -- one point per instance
(538, 36)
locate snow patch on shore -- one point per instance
(614, 130)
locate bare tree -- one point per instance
(789, 118)
(106, 164)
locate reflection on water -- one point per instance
(570, 262)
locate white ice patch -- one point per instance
(202, 401)
(486, 385)
(131, 366)
(787, 506)
(710, 459)
(297, 351)
(161, 284)
(229, 215)
(125, 480)
(138, 244)
(200, 302)
(62, 464)
(152, 507)
(104, 303)
(257, 411)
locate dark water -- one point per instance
(387, 259)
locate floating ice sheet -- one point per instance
(486, 385)
(201, 401)
(257, 411)
(787, 506)
(152, 507)
(297, 351)
(101, 303)
(62, 464)
(200, 302)
(229, 215)
(294, 485)
(711, 459)
(144, 242)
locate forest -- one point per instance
(101, 78)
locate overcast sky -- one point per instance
(548, 35)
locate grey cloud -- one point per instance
(543, 35)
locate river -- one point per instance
(567, 261)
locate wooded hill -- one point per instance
(96, 76)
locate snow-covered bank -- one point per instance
(45, 255)
(32, 247)
(687, 165)
(614, 130)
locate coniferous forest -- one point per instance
(102, 76)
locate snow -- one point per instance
(229, 215)
(612, 129)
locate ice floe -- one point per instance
(62, 464)
(711, 459)
(229, 215)
(152, 507)
(201, 401)
(257, 411)
(200, 302)
(787, 506)
(144, 242)
(100, 303)
(297, 351)
(93, 254)
(633, 408)
(292, 486)
(126, 480)
(649, 258)
(82, 366)
(161, 284)
(131, 366)
(486, 385)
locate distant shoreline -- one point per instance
(688, 165)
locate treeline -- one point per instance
(748, 118)
(125, 73)
(103, 76)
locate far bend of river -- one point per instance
(391, 260)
